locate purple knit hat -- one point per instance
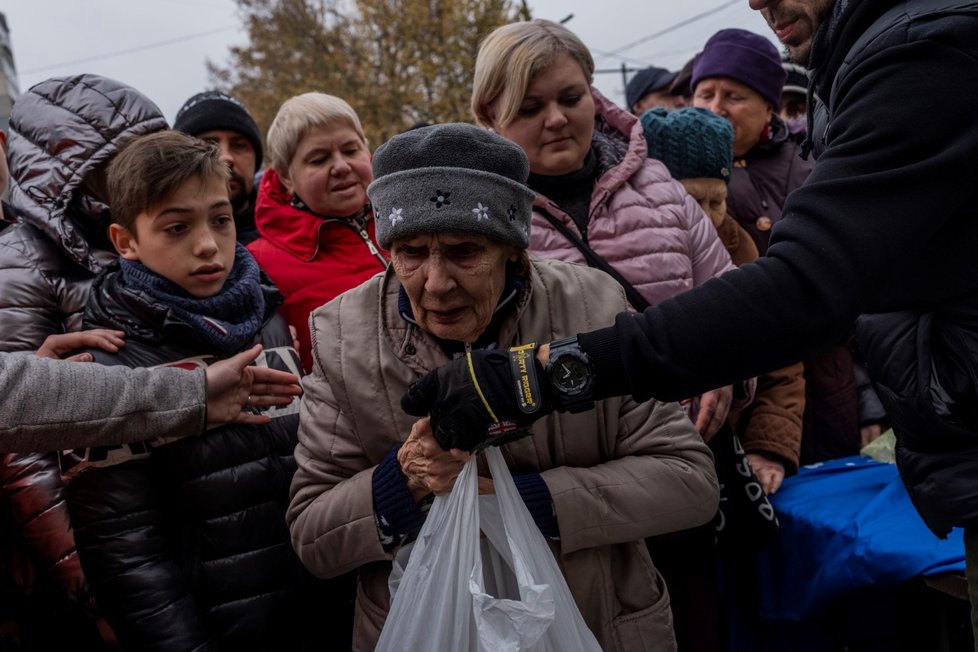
(745, 57)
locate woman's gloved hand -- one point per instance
(488, 397)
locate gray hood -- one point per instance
(60, 130)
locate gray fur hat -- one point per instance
(451, 177)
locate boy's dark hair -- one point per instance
(151, 168)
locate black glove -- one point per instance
(484, 398)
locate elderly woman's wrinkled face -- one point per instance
(453, 281)
(747, 111)
(555, 121)
(711, 194)
(330, 171)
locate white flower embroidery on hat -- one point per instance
(481, 212)
(395, 216)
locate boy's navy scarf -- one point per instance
(227, 321)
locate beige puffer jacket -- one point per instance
(617, 474)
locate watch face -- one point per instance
(570, 373)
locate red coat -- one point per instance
(310, 259)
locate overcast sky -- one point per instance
(161, 46)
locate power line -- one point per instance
(117, 53)
(672, 28)
(621, 57)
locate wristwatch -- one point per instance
(571, 375)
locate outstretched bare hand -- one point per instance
(233, 386)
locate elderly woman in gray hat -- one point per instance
(452, 207)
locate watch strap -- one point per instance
(523, 362)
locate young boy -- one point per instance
(184, 539)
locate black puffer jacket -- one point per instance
(184, 541)
(61, 130)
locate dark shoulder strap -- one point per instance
(595, 260)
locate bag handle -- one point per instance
(594, 259)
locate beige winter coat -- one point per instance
(617, 474)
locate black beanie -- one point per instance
(215, 110)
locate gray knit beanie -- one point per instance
(693, 143)
(451, 177)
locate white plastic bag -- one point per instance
(502, 593)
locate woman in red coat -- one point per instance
(315, 223)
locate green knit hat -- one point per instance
(693, 143)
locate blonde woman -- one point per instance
(593, 179)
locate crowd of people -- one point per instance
(683, 277)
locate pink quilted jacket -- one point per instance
(642, 220)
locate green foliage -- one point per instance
(397, 62)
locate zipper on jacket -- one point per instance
(361, 228)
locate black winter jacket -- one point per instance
(887, 221)
(762, 179)
(61, 130)
(184, 540)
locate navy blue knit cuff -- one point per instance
(395, 511)
(533, 490)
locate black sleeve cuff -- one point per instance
(610, 374)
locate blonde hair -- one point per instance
(301, 113)
(511, 57)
